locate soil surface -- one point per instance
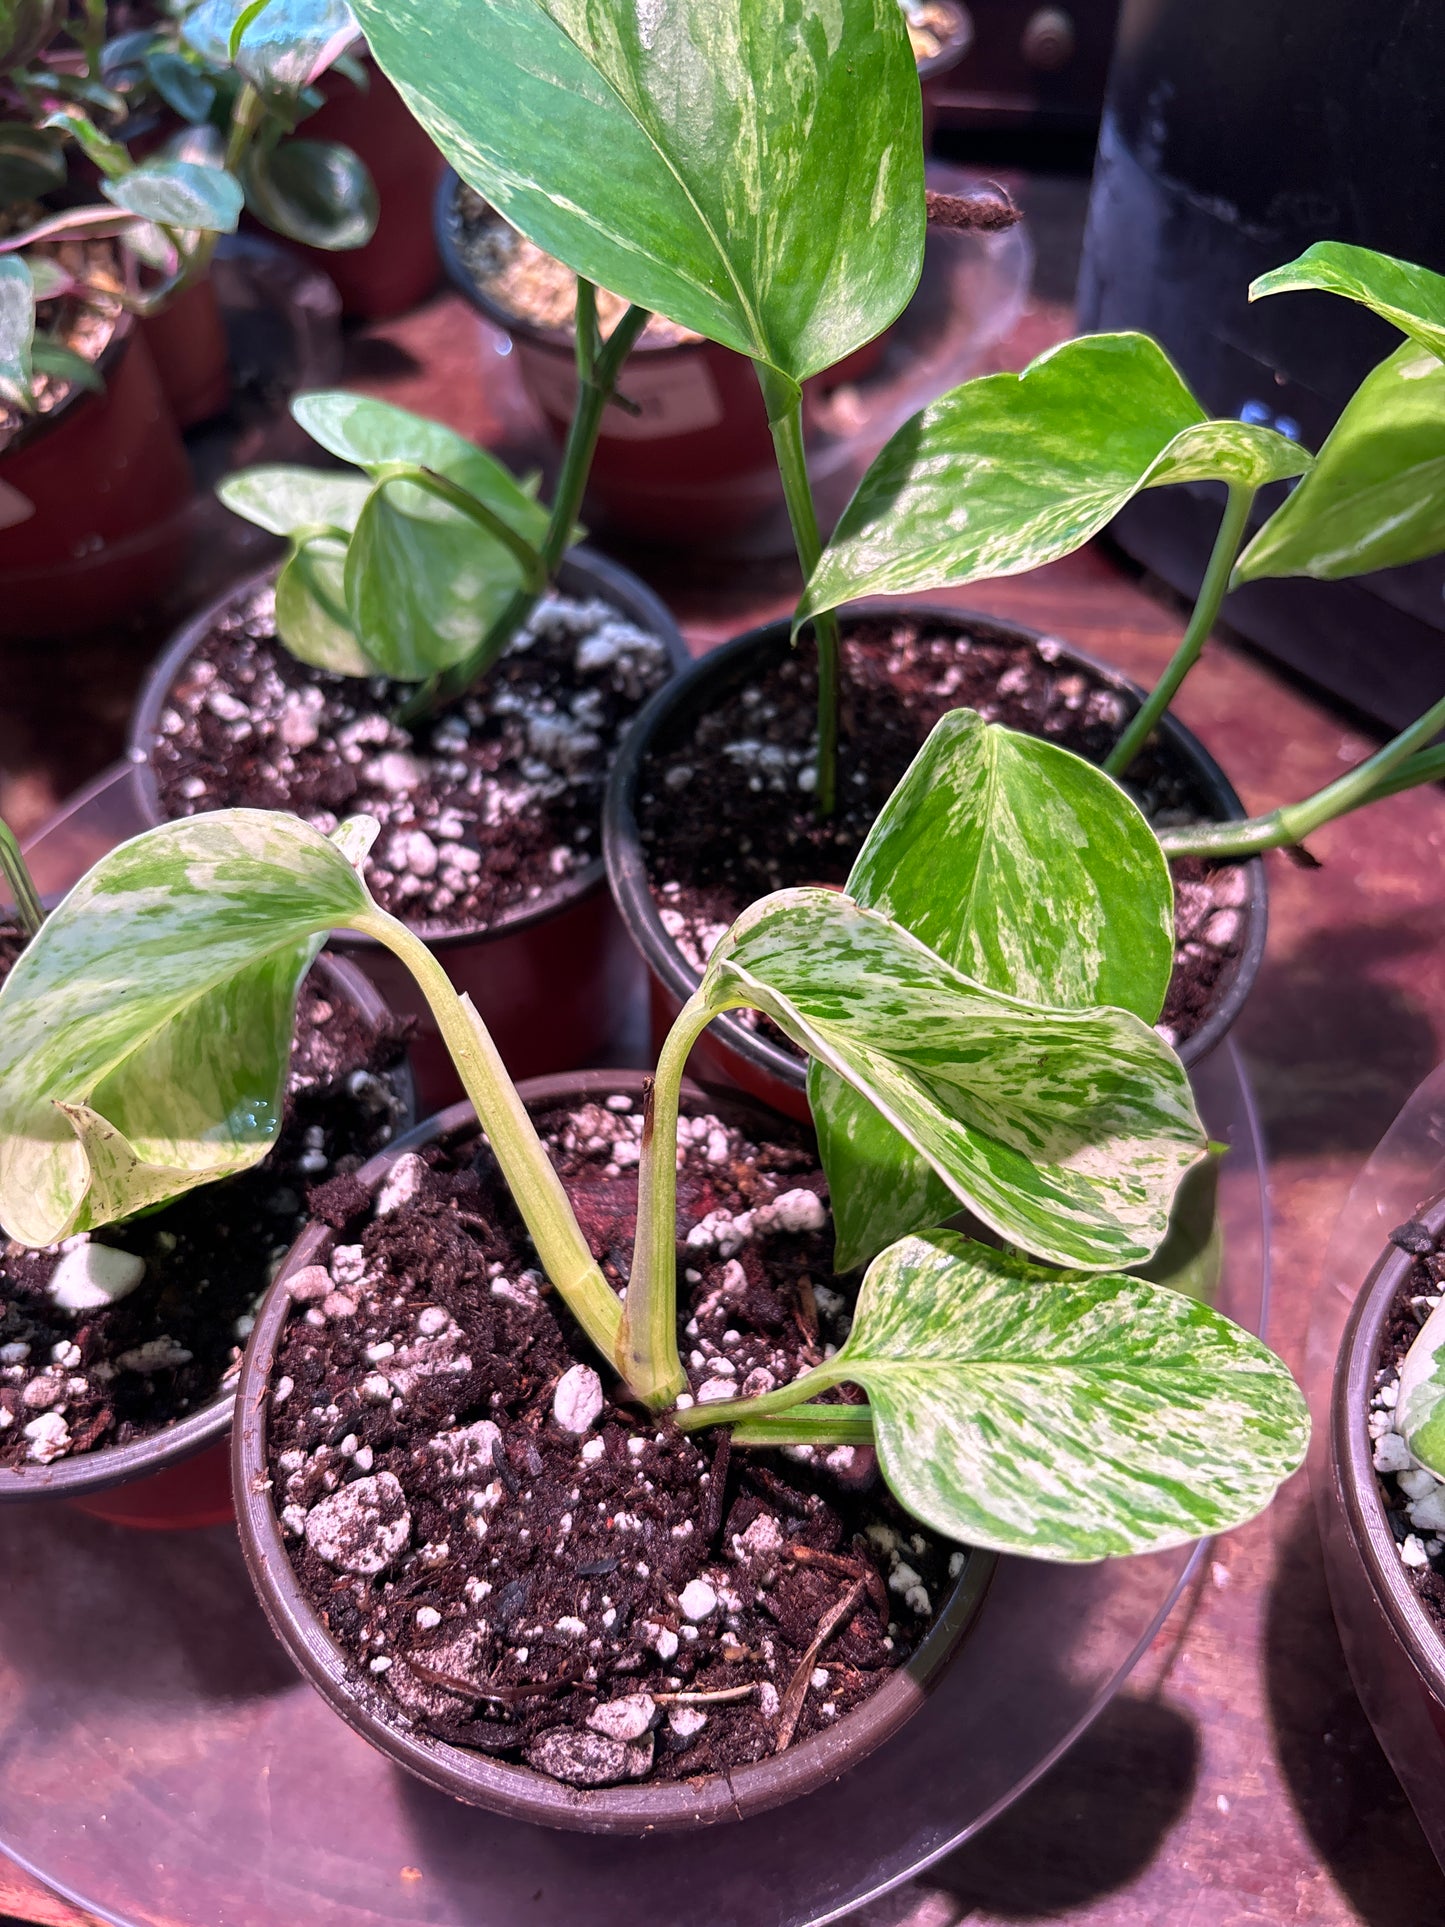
(725, 810)
(1414, 1499)
(511, 1560)
(488, 808)
(75, 1381)
(83, 317)
(534, 286)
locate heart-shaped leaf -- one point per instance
(1375, 498)
(1063, 1418)
(316, 192)
(145, 1031)
(284, 44)
(312, 617)
(1420, 1400)
(753, 171)
(1191, 1258)
(32, 162)
(1011, 471)
(986, 826)
(179, 194)
(1410, 297)
(285, 498)
(1067, 1131)
(180, 84)
(17, 328)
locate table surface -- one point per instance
(1235, 1780)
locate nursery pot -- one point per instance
(108, 482)
(517, 1791)
(934, 67)
(554, 978)
(1396, 1653)
(728, 1049)
(187, 340)
(178, 1477)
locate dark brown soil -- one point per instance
(497, 1594)
(124, 1372)
(491, 807)
(1417, 1298)
(83, 320)
(725, 807)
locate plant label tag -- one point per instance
(14, 507)
(673, 396)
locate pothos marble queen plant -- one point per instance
(977, 1009)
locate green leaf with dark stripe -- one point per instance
(145, 1031)
(1067, 1131)
(1412, 298)
(752, 170)
(1034, 874)
(1064, 1418)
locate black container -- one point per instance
(1234, 136)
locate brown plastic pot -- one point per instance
(187, 340)
(517, 1791)
(1395, 1653)
(178, 1478)
(399, 266)
(729, 1050)
(109, 484)
(553, 979)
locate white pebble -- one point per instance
(623, 1719)
(427, 1617)
(697, 1599)
(1391, 1453)
(577, 1401)
(662, 1639)
(401, 1184)
(49, 1437)
(1413, 1552)
(687, 1721)
(93, 1275)
(593, 1450)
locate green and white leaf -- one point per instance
(1031, 872)
(1410, 297)
(753, 171)
(315, 192)
(1375, 498)
(1191, 1258)
(1066, 1131)
(1011, 471)
(17, 329)
(179, 194)
(312, 617)
(1420, 1401)
(287, 499)
(145, 1031)
(180, 84)
(1064, 1418)
(284, 46)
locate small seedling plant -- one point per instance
(240, 78)
(1010, 471)
(977, 1012)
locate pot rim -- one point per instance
(113, 1465)
(599, 576)
(627, 869)
(1352, 1460)
(518, 1791)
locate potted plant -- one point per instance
(119, 1353)
(431, 651)
(472, 1453)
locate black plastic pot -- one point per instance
(553, 980)
(178, 1478)
(729, 1048)
(517, 1791)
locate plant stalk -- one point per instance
(768, 1405)
(16, 872)
(809, 1425)
(1403, 762)
(598, 369)
(647, 1353)
(465, 503)
(784, 404)
(1212, 592)
(544, 1205)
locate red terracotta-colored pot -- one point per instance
(109, 484)
(187, 340)
(399, 266)
(517, 1791)
(553, 979)
(731, 1052)
(178, 1478)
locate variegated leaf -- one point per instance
(986, 826)
(1067, 1131)
(752, 170)
(1191, 1258)
(1066, 1418)
(283, 46)
(318, 509)
(1011, 471)
(145, 1031)
(1420, 1401)
(1410, 297)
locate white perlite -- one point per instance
(697, 1599)
(1391, 1453)
(624, 1719)
(401, 1185)
(361, 1528)
(577, 1401)
(93, 1275)
(468, 1451)
(687, 1721)
(49, 1437)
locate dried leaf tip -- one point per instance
(987, 212)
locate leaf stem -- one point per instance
(16, 872)
(647, 1353)
(784, 402)
(544, 1205)
(1212, 592)
(1403, 762)
(744, 1411)
(808, 1425)
(534, 573)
